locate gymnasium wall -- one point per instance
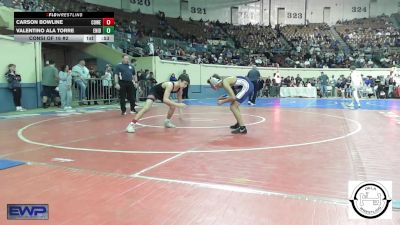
(207, 11)
(249, 13)
(315, 11)
(144, 63)
(170, 7)
(355, 9)
(295, 12)
(6, 18)
(387, 7)
(108, 3)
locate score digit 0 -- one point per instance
(108, 21)
(108, 30)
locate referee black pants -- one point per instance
(185, 92)
(126, 92)
(253, 96)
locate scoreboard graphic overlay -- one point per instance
(64, 26)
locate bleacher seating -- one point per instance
(373, 41)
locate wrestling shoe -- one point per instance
(168, 124)
(240, 130)
(130, 128)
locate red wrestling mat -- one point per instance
(291, 168)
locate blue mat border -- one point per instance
(15, 163)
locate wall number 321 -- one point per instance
(198, 10)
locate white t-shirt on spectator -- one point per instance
(278, 79)
(151, 48)
(397, 80)
(82, 71)
(356, 79)
(107, 82)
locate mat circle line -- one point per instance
(358, 129)
(209, 127)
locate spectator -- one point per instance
(267, 86)
(298, 80)
(14, 85)
(107, 84)
(333, 85)
(348, 89)
(341, 85)
(64, 87)
(93, 86)
(356, 85)
(81, 74)
(260, 86)
(186, 89)
(172, 77)
(323, 79)
(49, 83)
(151, 80)
(277, 82)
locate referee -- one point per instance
(124, 74)
(254, 76)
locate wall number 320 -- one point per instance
(141, 2)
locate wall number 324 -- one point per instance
(358, 9)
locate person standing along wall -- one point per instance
(324, 80)
(356, 85)
(253, 76)
(14, 85)
(333, 85)
(107, 84)
(172, 78)
(124, 75)
(64, 87)
(81, 74)
(186, 89)
(135, 82)
(49, 84)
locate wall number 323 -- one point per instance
(295, 15)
